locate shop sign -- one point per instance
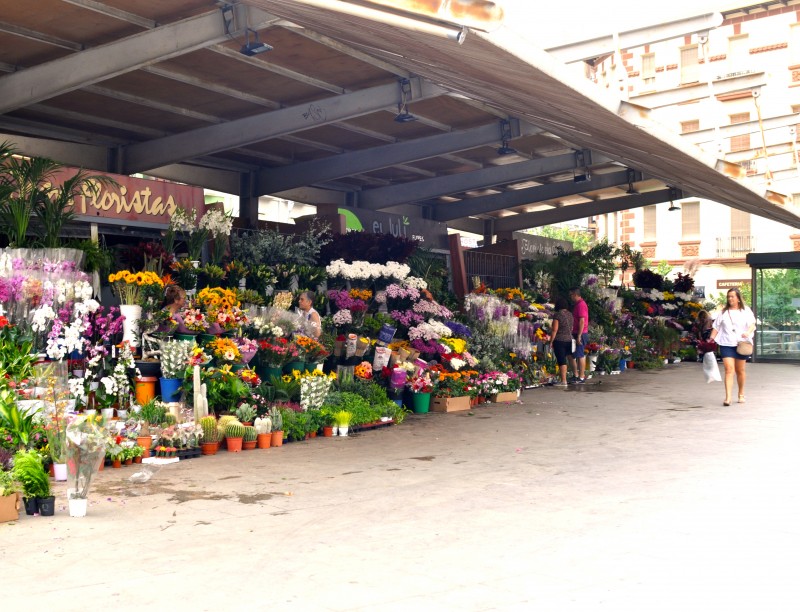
(539, 247)
(134, 199)
(732, 283)
(430, 234)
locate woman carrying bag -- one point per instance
(733, 332)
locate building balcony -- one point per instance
(735, 246)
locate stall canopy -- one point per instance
(454, 116)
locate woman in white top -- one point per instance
(736, 323)
(311, 320)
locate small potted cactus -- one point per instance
(277, 426)
(234, 433)
(222, 423)
(210, 442)
(249, 439)
(263, 427)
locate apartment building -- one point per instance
(734, 91)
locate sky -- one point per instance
(554, 23)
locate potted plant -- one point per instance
(234, 434)
(86, 447)
(9, 497)
(210, 435)
(342, 419)
(249, 438)
(246, 413)
(174, 359)
(277, 426)
(30, 473)
(263, 427)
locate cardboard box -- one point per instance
(9, 507)
(507, 396)
(450, 404)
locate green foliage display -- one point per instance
(647, 279)
(16, 353)
(30, 473)
(362, 246)
(153, 412)
(20, 425)
(360, 409)
(432, 268)
(776, 290)
(270, 247)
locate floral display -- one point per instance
(137, 287)
(225, 350)
(276, 354)
(194, 320)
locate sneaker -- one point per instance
(560, 384)
(580, 381)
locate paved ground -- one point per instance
(637, 492)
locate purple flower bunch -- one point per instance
(459, 329)
(406, 317)
(104, 325)
(5, 290)
(342, 300)
(428, 346)
(430, 308)
(398, 292)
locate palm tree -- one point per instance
(27, 188)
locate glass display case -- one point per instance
(776, 304)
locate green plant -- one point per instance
(7, 484)
(30, 473)
(153, 412)
(277, 418)
(250, 433)
(246, 413)
(234, 430)
(223, 422)
(210, 431)
(342, 418)
(16, 353)
(19, 424)
(286, 387)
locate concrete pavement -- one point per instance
(633, 492)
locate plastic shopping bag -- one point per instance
(711, 368)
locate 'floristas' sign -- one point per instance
(134, 199)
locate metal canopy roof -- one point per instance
(161, 87)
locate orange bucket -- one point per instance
(145, 389)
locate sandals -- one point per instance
(741, 399)
(726, 403)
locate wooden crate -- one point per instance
(507, 396)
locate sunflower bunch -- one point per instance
(136, 287)
(214, 299)
(225, 350)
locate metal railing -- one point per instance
(735, 246)
(495, 271)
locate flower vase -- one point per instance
(77, 506)
(130, 326)
(171, 389)
(622, 364)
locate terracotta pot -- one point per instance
(102, 465)
(327, 432)
(129, 461)
(247, 423)
(137, 459)
(116, 463)
(277, 438)
(234, 444)
(209, 448)
(52, 471)
(313, 434)
(249, 445)
(263, 440)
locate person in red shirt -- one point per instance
(580, 331)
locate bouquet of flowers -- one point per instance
(314, 387)
(198, 357)
(363, 370)
(137, 288)
(420, 383)
(225, 350)
(86, 448)
(235, 271)
(310, 350)
(185, 274)
(277, 354)
(247, 348)
(194, 320)
(250, 377)
(218, 224)
(175, 357)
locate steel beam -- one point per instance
(338, 166)
(578, 211)
(106, 61)
(212, 139)
(226, 181)
(518, 197)
(68, 153)
(377, 199)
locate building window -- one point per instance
(649, 223)
(690, 126)
(794, 44)
(738, 53)
(740, 143)
(796, 200)
(690, 68)
(740, 223)
(690, 220)
(649, 70)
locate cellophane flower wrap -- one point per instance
(314, 387)
(175, 357)
(86, 449)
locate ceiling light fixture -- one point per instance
(505, 137)
(403, 116)
(580, 173)
(630, 174)
(255, 46)
(673, 194)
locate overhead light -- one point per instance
(505, 137)
(255, 46)
(673, 193)
(506, 150)
(631, 176)
(580, 172)
(403, 116)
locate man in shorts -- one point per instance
(580, 331)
